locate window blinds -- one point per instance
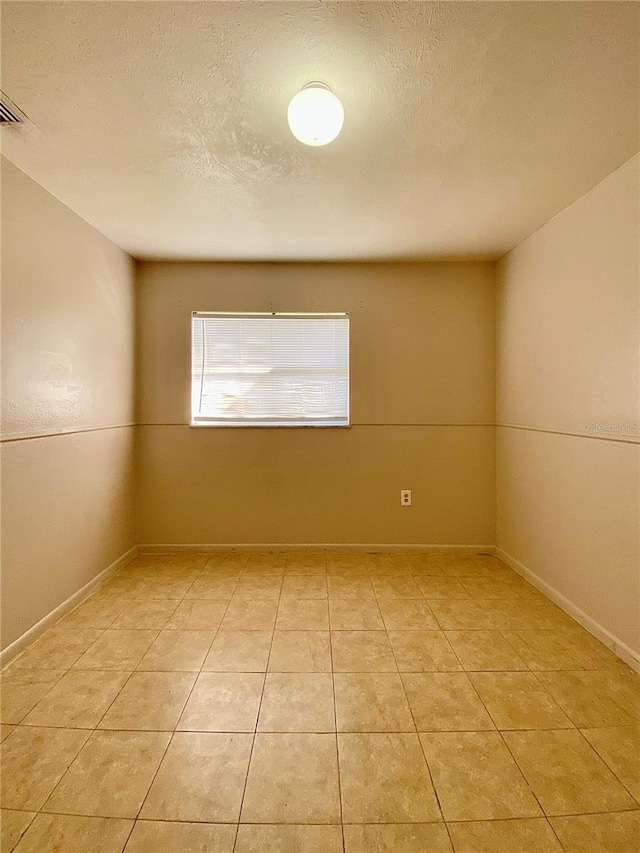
(270, 369)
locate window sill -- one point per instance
(269, 426)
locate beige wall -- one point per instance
(422, 408)
(568, 361)
(67, 403)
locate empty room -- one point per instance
(320, 409)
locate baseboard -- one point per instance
(309, 546)
(61, 610)
(622, 650)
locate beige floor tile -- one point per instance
(293, 778)
(5, 730)
(111, 775)
(57, 649)
(421, 563)
(300, 651)
(151, 836)
(169, 589)
(130, 574)
(264, 589)
(212, 587)
(304, 587)
(445, 701)
(226, 561)
(182, 565)
(395, 587)
(228, 567)
(623, 685)
(406, 614)
(262, 577)
(362, 651)
(95, 612)
(117, 650)
(170, 583)
(33, 762)
(343, 561)
(250, 615)
(239, 651)
(347, 614)
(394, 565)
(423, 651)
(146, 613)
(619, 748)
(78, 700)
(347, 580)
(303, 614)
(436, 565)
(223, 702)
(178, 566)
(150, 701)
(483, 651)
(579, 637)
(201, 778)
(266, 561)
(371, 702)
(22, 689)
(289, 839)
(12, 826)
(558, 650)
(549, 615)
(433, 567)
(397, 838)
(581, 696)
(148, 561)
(414, 561)
(476, 778)
(441, 588)
(505, 586)
(51, 833)
(358, 588)
(460, 615)
(491, 617)
(226, 575)
(305, 560)
(197, 615)
(517, 700)
(565, 773)
(384, 779)
(522, 613)
(476, 565)
(605, 833)
(391, 564)
(511, 836)
(125, 585)
(175, 651)
(297, 702)
(186, 562)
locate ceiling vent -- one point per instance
(9, 113)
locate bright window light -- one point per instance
(269, 369)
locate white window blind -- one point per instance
(270, 369)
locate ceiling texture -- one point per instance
(467, 124)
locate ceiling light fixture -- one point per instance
(315, 114)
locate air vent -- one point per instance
(9, 113)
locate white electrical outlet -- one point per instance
(405, 497)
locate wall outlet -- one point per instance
(405, 497)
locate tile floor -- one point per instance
(315, 703)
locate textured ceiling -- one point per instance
(468, 125)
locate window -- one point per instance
(270, 369)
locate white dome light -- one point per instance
(315, 115)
